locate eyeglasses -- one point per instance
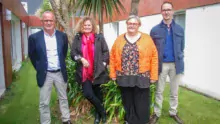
(46, 21)
(132, 24)
(166, 10)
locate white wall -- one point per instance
(2, 77)
(34, 30)
(122, 27)
(16, 45)
(149, 22)
(202, 59)
(25, 41)
(110, 33)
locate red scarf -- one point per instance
(88, 54)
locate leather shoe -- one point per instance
(154, 119)
(67, 122)
(97, 118)
(177, 119)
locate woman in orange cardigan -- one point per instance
(134, 65)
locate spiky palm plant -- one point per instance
(98, 7)
(113, 102)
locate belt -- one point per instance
(54, 71)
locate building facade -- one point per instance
(13, 40)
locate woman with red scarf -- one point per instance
(91, 53)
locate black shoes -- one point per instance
(104, 118)
(67, 122)
(98, 118)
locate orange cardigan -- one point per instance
(148, 57)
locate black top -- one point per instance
(101, 54)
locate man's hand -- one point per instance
(84, 62)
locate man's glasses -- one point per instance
(132, 24)
(166, 10)
(46, 21)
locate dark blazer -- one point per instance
(158, 34)
(101, 55)
(38, 55)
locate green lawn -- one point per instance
(193, 108)
(20, 104)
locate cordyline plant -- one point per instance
(100, 9)
(79, 106)
(112, 97)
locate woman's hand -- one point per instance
(152, 81)
(84, 62)
(114, 79)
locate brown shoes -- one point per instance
(177, 119)
(154, 119)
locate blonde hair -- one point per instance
(134, 17)
(79, 26)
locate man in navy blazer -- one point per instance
(47, 50)
(168, 37)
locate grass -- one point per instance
(20, 104)
(193, 108)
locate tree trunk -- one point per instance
(134, 7)
(63, 18)
(101, 19)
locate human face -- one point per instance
(48, 22)
(87, 27)
(167, 12)
(133, 26)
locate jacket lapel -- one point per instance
(59, 40)
(95, 50)
(42, 42)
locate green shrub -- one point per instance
(112, 96)
(113, 101)
(78, 104)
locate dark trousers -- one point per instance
(136, 103)
(94, 94)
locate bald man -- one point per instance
(47, 50)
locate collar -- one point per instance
(165, 25)
(48, 34)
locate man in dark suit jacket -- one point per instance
(168, 37)
(47, 51)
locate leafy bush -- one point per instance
(112, 96)
(113, 102)
(78, 104)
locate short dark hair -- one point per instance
(167, 2)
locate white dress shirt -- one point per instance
(52, 53)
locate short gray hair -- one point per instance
(48, 12)
(134, 17)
